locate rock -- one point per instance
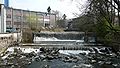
(96, 51)
(55, 51)
(90, 58)
(115, 65)
(107, 66)
(76, 58)
(108, 63)
(101, 62)
(93, 61)
(75, 66)
(12, 66)
(49, 57)
(32, 54)
(67, 58)
(29, 63)
(42, 56)
(46, 66)
(104, 50)
(71, 59)
(22, 57)
(83, 53)
(82, 66)
(42, 49)
(113, 55)
(1, 55)
(17, 50)
(9, 64)
(37, 58)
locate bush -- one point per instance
(27, 36)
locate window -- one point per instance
(8, 16)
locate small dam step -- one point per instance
(63, 40)
(61, 46)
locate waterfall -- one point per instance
(61, 37)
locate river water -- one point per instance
(95, 57)
(41, 57)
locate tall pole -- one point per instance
(64, 18)
(12, 21)
(49, 19)
(43, 20)
(21, 24)
(36, 20)
(55, 20)
(49, 10)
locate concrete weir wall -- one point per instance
(6, 39)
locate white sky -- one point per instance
(64, 6)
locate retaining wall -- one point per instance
(7, 39)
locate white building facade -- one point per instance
(2, 17)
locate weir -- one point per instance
(63, 40)
(64, 37)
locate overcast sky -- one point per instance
(64, 6)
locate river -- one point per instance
(42, 57)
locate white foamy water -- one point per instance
(10, 50)
(68, 52)
(53, 39)
(44, 38)
(24, 50)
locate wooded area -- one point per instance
(103, 18)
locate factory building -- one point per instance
(19, 18)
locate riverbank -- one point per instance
(8, 39)
(4, 44)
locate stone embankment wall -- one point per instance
(8, 39)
